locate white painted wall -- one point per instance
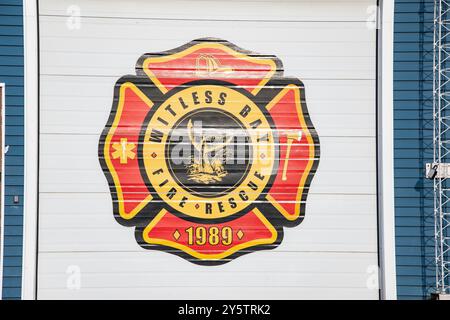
(327, 44)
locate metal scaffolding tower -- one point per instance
(440, 170)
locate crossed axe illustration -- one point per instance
(291, 137)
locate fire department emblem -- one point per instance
(209, 151)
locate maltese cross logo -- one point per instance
(209, 151)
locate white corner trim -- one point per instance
(2, 202)
(31, 97)
(386, 153)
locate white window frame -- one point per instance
(2, 201)
(386, 210)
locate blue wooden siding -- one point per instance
(11, 73)
(413, 58)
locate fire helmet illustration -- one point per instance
(209, 151)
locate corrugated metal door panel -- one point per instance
(306, 272)
(262, 10)
(327, 44)
(330, 57)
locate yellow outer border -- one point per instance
(189, 50)
(203, 256)
(310, 163)
(140, 94)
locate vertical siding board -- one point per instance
(413, 148)
(11, 73)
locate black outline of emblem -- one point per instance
(269, 91)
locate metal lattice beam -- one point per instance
(441, 141)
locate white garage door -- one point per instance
(87, 46)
